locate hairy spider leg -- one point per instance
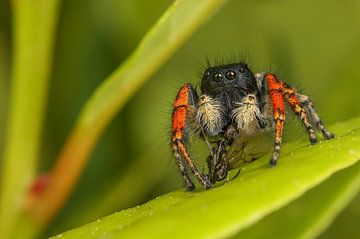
(275, 90)
(300, 104)
(307, 103)
(299, 110)
(184, 106)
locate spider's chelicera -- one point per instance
(234, 103)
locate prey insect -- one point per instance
(241, 150)
(234, 105)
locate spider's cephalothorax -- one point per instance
(234, 102)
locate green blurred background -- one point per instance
(313, 45)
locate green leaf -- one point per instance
(309, 215)
(227, 209)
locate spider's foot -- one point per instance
(312, 136)
(275, 156)
(328, 135)
(313, 140)
(206, 182)
(189, 186)
(272, 163)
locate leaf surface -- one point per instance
(309, 215)
(237, 204)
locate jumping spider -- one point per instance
(234, 103)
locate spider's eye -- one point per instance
(242, 69)
(230, 75)
(218, 77)
(207, 74)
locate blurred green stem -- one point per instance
(173, 28)
(33, 36)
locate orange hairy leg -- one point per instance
(300, 104)
(275, 88)
(185, 105)
(299, 110)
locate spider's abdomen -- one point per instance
(210, 115)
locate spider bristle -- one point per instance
(228, 58)
(224, 59)
(208, 63)
(200, 68)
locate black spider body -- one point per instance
(234, 103)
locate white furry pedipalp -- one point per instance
(210, 115)
(246, 114)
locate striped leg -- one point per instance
(300, 104)
(184, 107)
(299, 110)
(188, 183)
(306, 102)
(275, 88)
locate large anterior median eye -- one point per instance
(218, 76)
(230, 75)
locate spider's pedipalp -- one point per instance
(210, 115)
(183, 114)
(247, 116)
